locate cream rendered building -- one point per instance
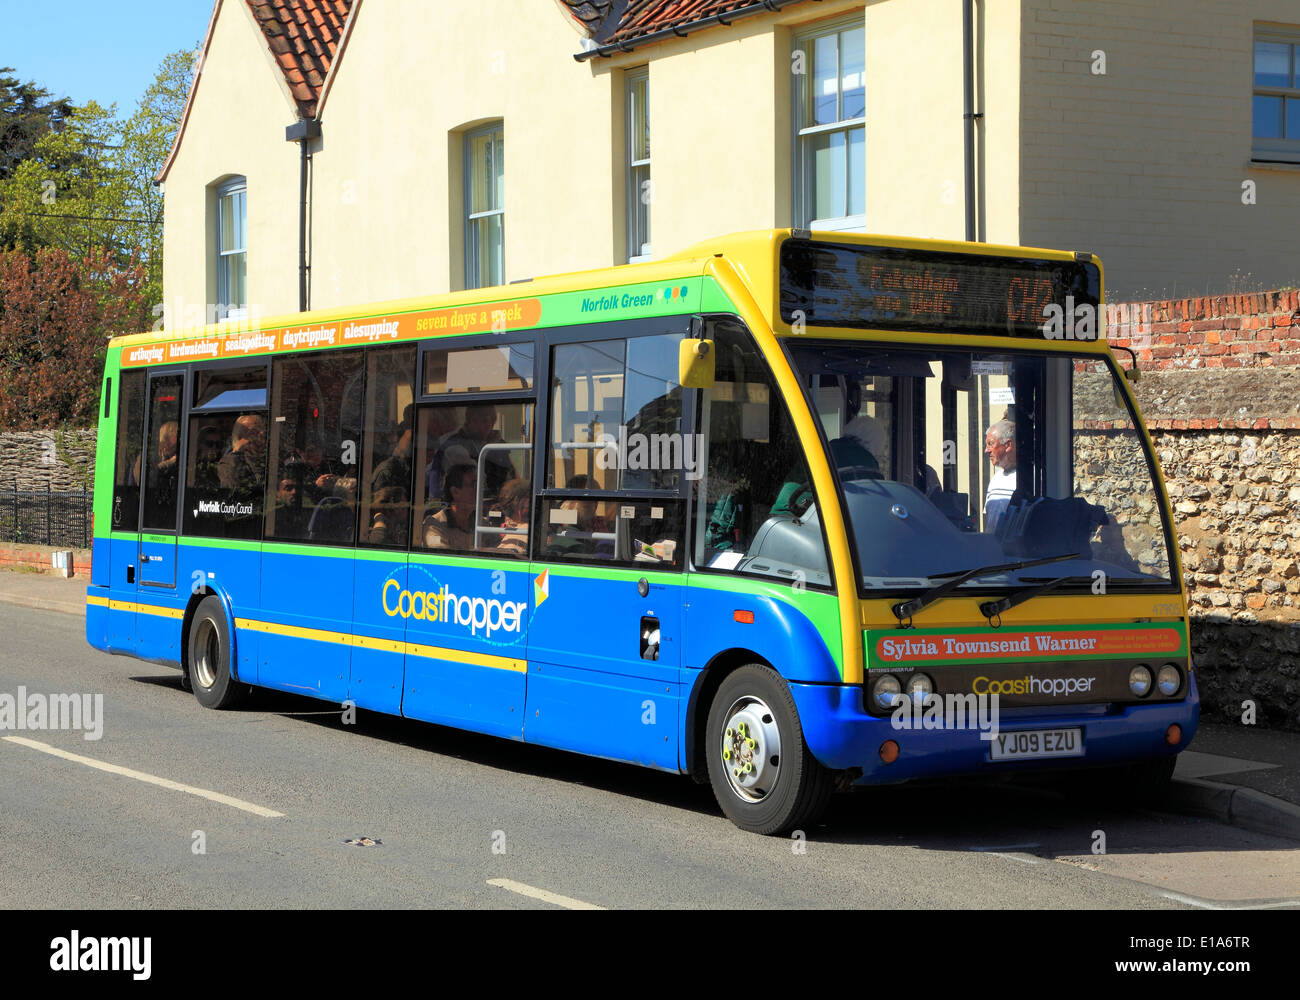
(1163, 135)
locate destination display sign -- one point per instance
(891, 288)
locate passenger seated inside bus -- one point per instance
(452, 528)
(291, 518)
(396, 469)
(388, 518)
(1000, 446)
(207, 457)
(856, 449)
(514, 503)
(466, 444)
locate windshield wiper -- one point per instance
(991, 609)
(904, 610)
(994, 609)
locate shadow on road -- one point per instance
(1037, 815)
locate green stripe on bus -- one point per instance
(105, 445)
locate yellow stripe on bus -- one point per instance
(144, 609)
(387, 645)
(461, 656)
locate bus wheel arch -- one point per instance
(697, 711)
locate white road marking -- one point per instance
(150, 779)
(1024, 860)
(1000, 852)
(1207, 905)
(1191, 901)
(542, 894)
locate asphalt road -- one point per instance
(474, 822)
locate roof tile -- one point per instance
(303, 36)
(612, 21)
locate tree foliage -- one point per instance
(87, 180)
(26, 114)
(80, 238)
(57, 314)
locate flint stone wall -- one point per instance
(63, 461)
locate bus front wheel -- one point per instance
(208, 658)
(762, 772)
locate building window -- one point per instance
(1277, 96)
(485, 212)
(639, 189)
(830, 111)
(232, 250)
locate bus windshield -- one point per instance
(952, 460)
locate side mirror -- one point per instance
(1133, 374)
(696, 364)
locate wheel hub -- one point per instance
(207, 654)
(751, 749)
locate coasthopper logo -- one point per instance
(489, 615)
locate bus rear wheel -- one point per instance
(763, 775)
(208, 657)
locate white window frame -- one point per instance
(1284, 150)
(638, 208)
(226, 308)
(804, 199)
(473, 279)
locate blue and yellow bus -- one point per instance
(788, 512)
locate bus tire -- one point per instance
(209, 657)
(763, 775)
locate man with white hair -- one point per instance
(1000, 446)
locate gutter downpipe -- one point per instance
(682, 30)
(969, 114)
(303, 131)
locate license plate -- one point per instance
(1034, 743)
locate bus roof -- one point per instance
(753, 255)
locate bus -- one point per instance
(789, 512)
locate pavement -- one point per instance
(1241, 775)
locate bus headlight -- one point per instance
(919, 687)
(885, 691)
(1139, 680)
(1169, 680)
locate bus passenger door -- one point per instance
(157, 631)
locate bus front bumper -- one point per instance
(842, 736)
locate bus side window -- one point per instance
(312, 489)
(615, 435)
(472, 485)
(388, 449)
(130, 435)
(756, 497)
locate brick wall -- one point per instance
(1259, 330)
